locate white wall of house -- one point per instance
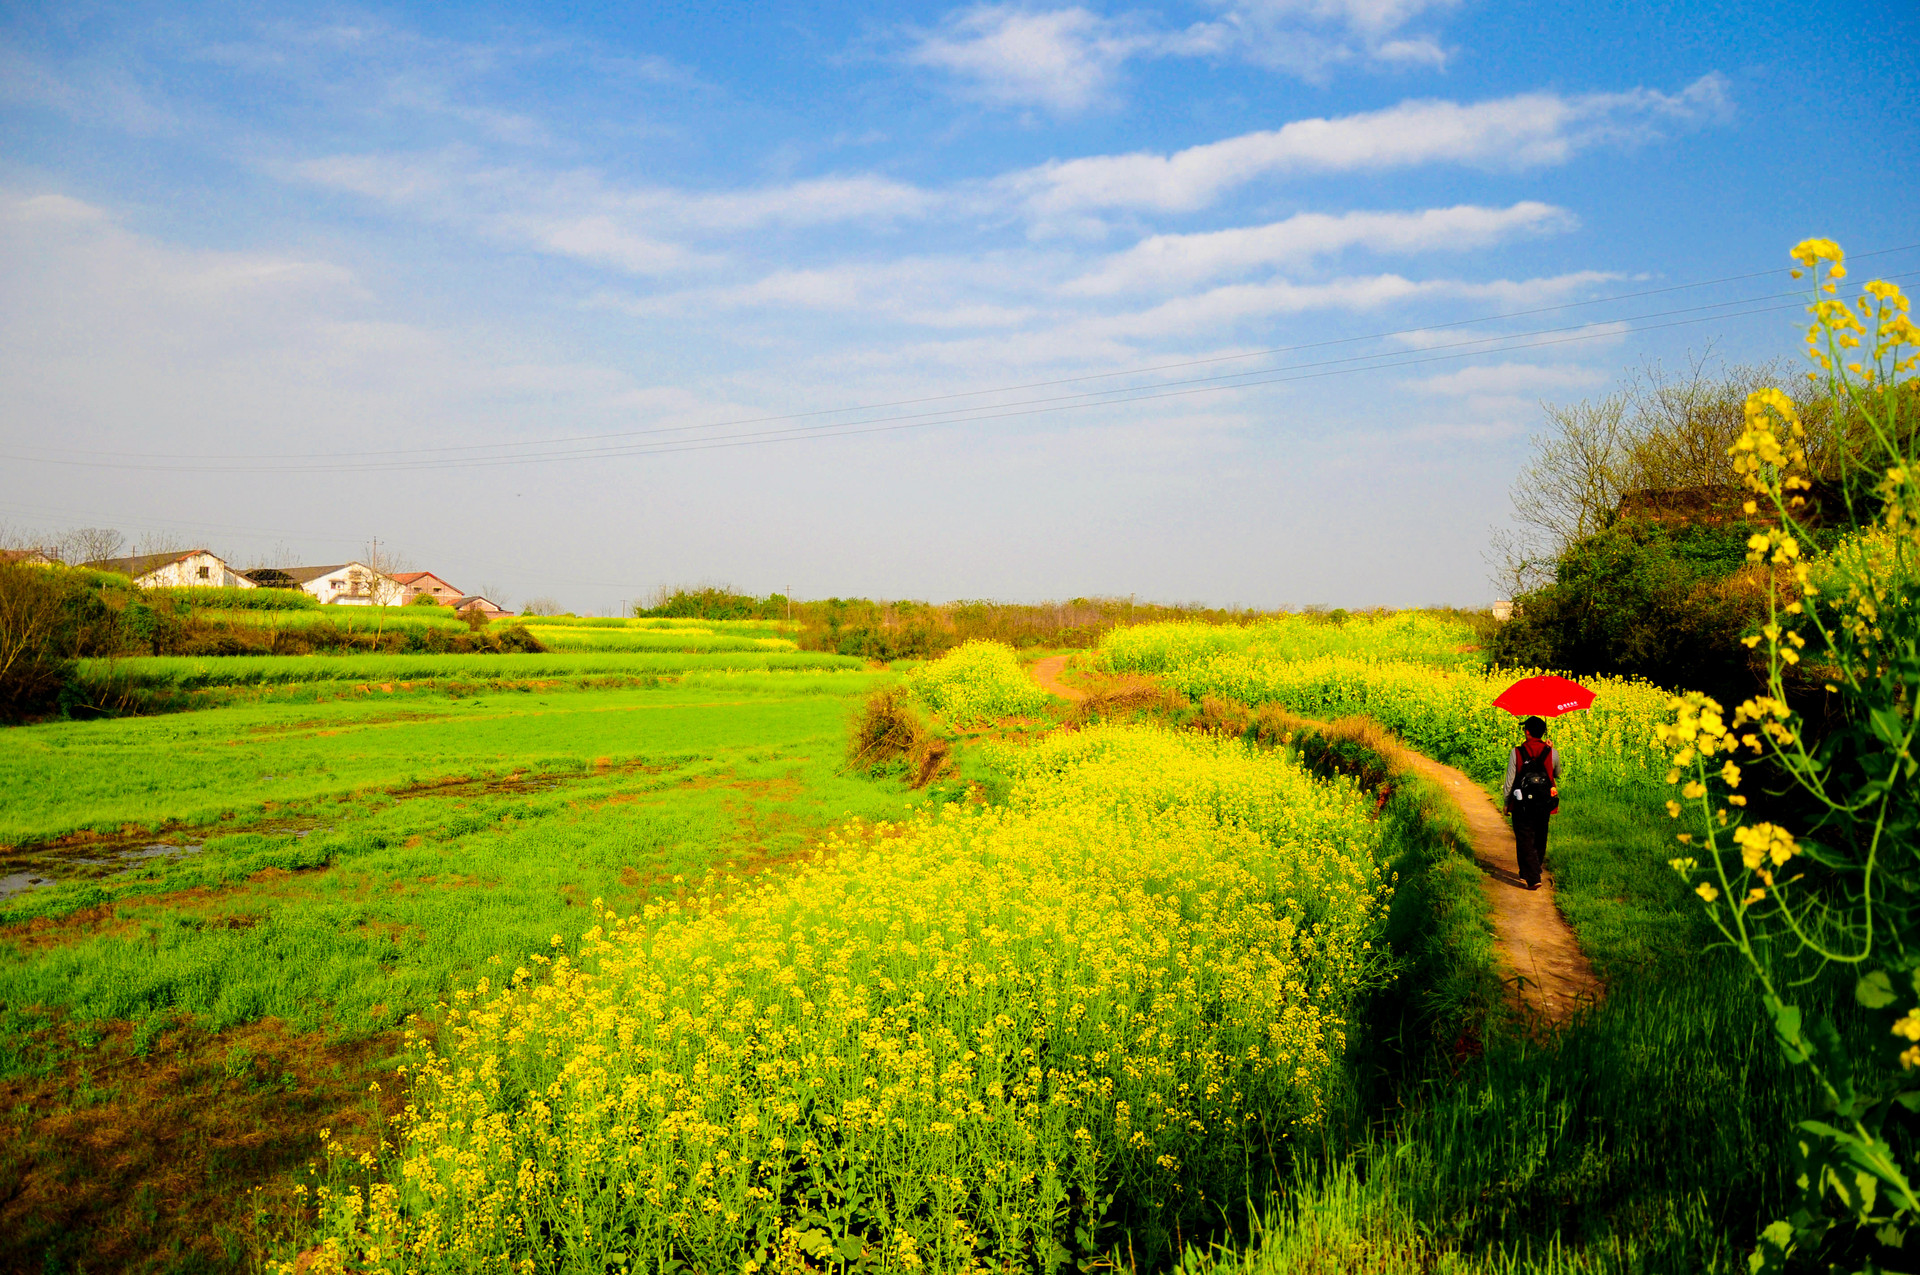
(198, 570)
(356, 584)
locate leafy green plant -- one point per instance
(1840, 891)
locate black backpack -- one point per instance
(1533, 786)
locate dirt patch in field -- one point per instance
(124, 916)
(1097, 694)
(1047, 673)
(115, 1160)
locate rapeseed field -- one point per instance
(1419, 637)
(1446, 713)
(977, 1039)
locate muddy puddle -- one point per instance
(80, 858)
(24, 868)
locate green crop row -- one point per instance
(167, 672)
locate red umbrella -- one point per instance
(1547, 696)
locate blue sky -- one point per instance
(1244, 301)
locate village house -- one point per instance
(26, 558)
(474, 604)
(417, 584)
(181, 569)
(341, 584)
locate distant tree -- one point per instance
(540, 606)
(161, 542)
(1662, 430)
(88, 544)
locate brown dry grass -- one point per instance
(111, 1160)
(888, 729)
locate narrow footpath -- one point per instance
(1545, 971)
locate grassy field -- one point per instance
(178, 1027)
(172, 672)
(1152, 979)
(556, 633)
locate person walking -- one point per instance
(1532, 795)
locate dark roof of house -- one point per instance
(142, 563)
(471, 598)
(301, 575)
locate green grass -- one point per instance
(198, 767)
(180, 672)
(734, 628)
(118, 991)
(1649, 1136)
(346, 619)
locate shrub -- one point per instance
(887, 733)
(1643, 600)
(978, 682)
(49, 616)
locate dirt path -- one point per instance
(1545, 971)
(1047, 673)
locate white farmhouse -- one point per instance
(189, 569)
(345, 583)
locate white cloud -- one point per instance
(1222, 307)
(1069, 59)
(1063, 59)
(1507, 379)
(578, 214)
(101, 93)
(1526, 131)
(224, 351)
(954, 292)
(1307, 37)
(1177, 262)
(653, 230)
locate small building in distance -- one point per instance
(26, 558)
(181, 569)
(474, 604)
(417, 584)
(342, 583)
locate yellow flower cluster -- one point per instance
(977, 682)
(1414, 636)
(1448, 714)
(1836, 328)
(943, 1045)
